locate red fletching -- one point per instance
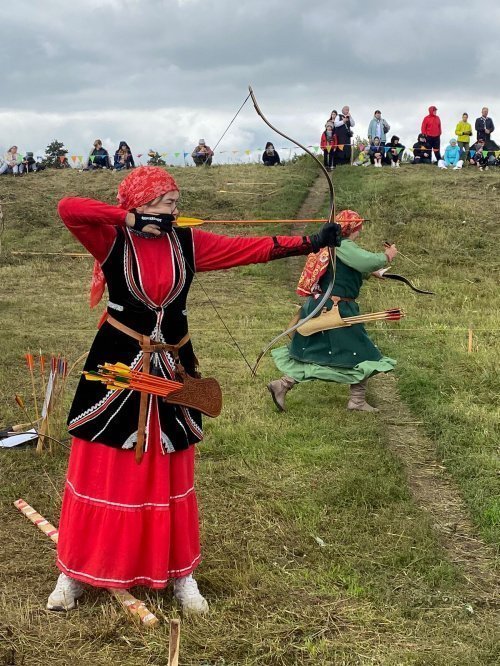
(29, 361)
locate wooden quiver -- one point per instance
(205, 395)
(325, 321)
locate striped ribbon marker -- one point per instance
(125, 599)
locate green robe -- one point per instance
(345, 355)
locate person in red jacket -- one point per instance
(431, 127)
(328, 145)
(122, 523)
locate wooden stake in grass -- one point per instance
(174, 640)
(30, 363)
(125, 599)
(469, 346)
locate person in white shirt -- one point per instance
(343, 124)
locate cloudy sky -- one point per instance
(163, 73)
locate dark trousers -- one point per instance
(329, 157)
(435, 143)
(344, 155)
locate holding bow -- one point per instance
(341, 352)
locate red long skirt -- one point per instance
(124, 524)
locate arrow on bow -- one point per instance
(331, 253)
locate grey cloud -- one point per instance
(174, 70)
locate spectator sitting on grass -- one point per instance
(99, 157)
(478, 155)
(422, 151)
(452, 156)
(202, 154)
(376, 152)
(270, 155)
(394, 151)
(363, 158)
(123, 157)
(29, 163)
(12, 162)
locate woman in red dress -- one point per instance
(122, 523)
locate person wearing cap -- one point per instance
(202, 154)
(431, 127)
(341, 355)
(328, 144)
(123, 523)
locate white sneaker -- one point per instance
(66, 592)
(396, 164)
(393, 164)
(188, 595)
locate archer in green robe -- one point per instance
(343, 355)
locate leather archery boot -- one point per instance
(278, 390)
(357, 401)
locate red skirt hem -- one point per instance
(138, 581)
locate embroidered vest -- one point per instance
(111, 417)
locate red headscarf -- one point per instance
(350, 221)
(140, 187)
(143, 185)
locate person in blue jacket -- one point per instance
(452, 156)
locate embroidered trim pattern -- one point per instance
(104, 403)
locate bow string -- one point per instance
(331, 253)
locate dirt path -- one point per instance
(436, 493)
(314, 200)
(432, 488)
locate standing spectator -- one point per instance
(270, 155)
(123, 157)
(431, 127)
(463, 130)
(328, 145)
(342, 125)
(394, 151)
(484, 125)
(452, 156)
(378, 127)
(100, 155)
(422, 151)
(333, 117)
(202, 154)
(12, 162)
(376, 152)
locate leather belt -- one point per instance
(337, 299)
(147, 348)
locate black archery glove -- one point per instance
(161, 220)
(330, 235)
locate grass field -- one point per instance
(315, 550)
